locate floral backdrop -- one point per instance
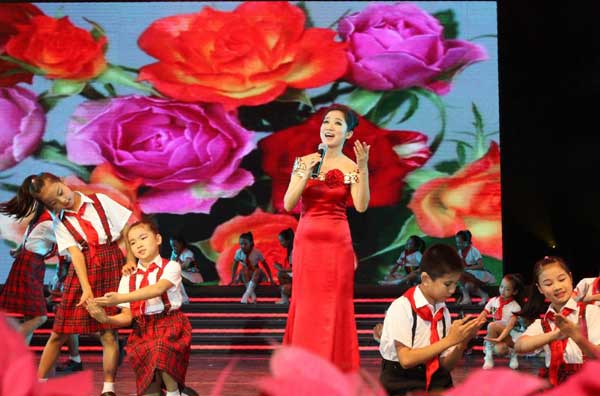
(194, 113)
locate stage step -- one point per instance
(223, 325)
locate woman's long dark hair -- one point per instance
(25, 202)
(536, 302)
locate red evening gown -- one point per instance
(321, 314)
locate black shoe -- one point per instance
(69, 367)
(108, 394)
(188, 391)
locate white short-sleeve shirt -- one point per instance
(473, 255)
(41, 238)
(398, 323)
(572, 352)
(507, 312)
(172, 273)
(116, 215)
(585, 287)
(412, 260)
(185, 254)
(255, 257)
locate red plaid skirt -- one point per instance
(23, 292)
(159, 342)
(564, 371)
(104, 274)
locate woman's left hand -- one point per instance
(361, 151)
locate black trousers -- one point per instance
(397, 381)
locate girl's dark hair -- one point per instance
(288, 235)
(144, 222)
(179, 238)
(517, 283)
(439, 260)
(26, 202)
(247, 236)
(536, 302)
(350, 115)
(419, 242)
(465, 235)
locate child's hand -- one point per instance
(377, 330)
(128, 269)
(494, 340)
(110, 299)
(463, 329)
(567, 328)
(591, 298)
(96, 311)
(86, 295)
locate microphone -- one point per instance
(317, 168)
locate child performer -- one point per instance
(475, 274)
(251, 274)
(418, 344)
(569, 331)
(409, 260)
(23, 292)
(159, 346)
(284, 274)
(87, 228)
(499, 331)
(588, 291)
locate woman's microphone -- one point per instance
(317, 168)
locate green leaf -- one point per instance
(49, 101)
(461, 153)
(387, 107)
(111, 90)
(66, 87)
(344, 14)
(55, 153)
(480, 140)
(409, 228)
(457, 141)
(97, 30)
(441, 107)
(295, 95)
(308, 23)
(448, 21)
(115, 75)
(362, 101)
(483, 36)
(412, 107)
(207, 250)
(449, 167)
(421, 176)
(9, 187)
(23, 65)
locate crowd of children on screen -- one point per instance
(102, 290)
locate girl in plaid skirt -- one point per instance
(23, 292)
(159, 345)
(87, 228)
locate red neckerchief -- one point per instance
(503, 302)
(139, 307)
(557, 347)
(91, 235)
(425, 313)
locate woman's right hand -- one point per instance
(312, 160)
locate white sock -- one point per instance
(41, 380)
(108, 387)
(76, 358)
(174, 393)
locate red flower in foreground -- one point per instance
(19, 370)
(469, 199)
(247, 56)
(265, 228)
(393, 155)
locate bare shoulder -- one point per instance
(349, 166)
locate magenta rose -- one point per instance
(398, 46)
(187, 155)
(23, 122)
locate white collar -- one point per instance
(157, 260)
(572, 304)
(421, 301)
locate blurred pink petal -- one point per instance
(498, 382)
(584, 383)
(18, 376)
(296, 371)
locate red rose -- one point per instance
(469, 199)
(247, 56)
(11, 15)
(59, 48)
(265, 228)
(334, 178)
(387, 167)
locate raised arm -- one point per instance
(360, 189)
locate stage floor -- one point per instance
(204, 371)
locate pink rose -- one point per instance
(23, 122)
(398, 46)
(188, 155)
